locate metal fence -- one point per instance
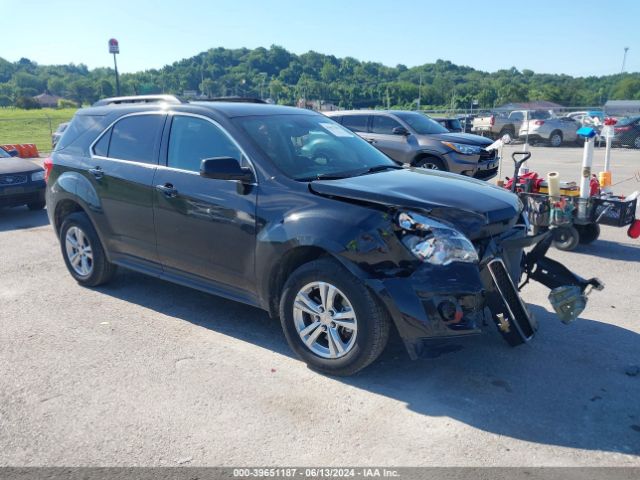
(36, 130)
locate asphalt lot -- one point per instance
(143, 372)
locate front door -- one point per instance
(205, 228)
(394, 145)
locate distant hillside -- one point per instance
(287, 77)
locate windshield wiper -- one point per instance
(352, 173)
(380, 168)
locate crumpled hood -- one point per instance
(465, 202)
(17, 165)
(464, 138)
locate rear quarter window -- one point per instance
(80, 126)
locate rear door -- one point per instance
(123, 164)
(382, 137)
(205, 227)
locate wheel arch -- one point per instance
(424, 155)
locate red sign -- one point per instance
(114, 47)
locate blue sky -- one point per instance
(581, 38)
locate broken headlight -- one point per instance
(433, 241)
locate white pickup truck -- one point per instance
(497, 125)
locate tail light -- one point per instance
(539, 122)
(48, 165)
(492, 121)
(622, 129)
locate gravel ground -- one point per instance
(145, 373)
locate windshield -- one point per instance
(4, 154)
(421, 124)
(308, 147)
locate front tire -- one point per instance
(430, 163)
(331, 320)
(83, 252)
(566, 238)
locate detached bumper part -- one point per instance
(568, 295)
(509, 312)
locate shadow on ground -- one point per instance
(612, 250)
(21, 218)
(569, 387)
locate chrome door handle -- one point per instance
(97, 172)
(168, 190)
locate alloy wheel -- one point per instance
(325, 320)
(556, 140)
(79, 251)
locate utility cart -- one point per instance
(575, 220)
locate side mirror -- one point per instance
(225, 168)
(13, 153)
(400, 131)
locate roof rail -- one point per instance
(232, 99)
(138, 99)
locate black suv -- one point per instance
(284, 209)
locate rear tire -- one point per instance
(555, 139)
(589, 233)
(510, 133)
(83, 252)
(430, 163)
(362, 323)
(566, 238)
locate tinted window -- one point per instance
(421, 124)
(356, 123)
(4, 154)
(80, 125)
(102, 147)
(383, 124)
(193, 139)
(134, 138)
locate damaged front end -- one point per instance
(460, 282)
(502, 267)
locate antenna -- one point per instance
(624, 59)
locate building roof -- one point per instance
(537, 105)
(47, 99)
(622, 107)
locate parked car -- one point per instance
(55, 137)
(627, 133)
(451, 124)
(553, 131)
(21, 182)
(414, 139)
(466, 122)
(286, 210)
(590, 117)
(500, 125)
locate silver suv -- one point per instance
(415, 139)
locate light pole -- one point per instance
(420, 92)
(624, 59)
(114, 48)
